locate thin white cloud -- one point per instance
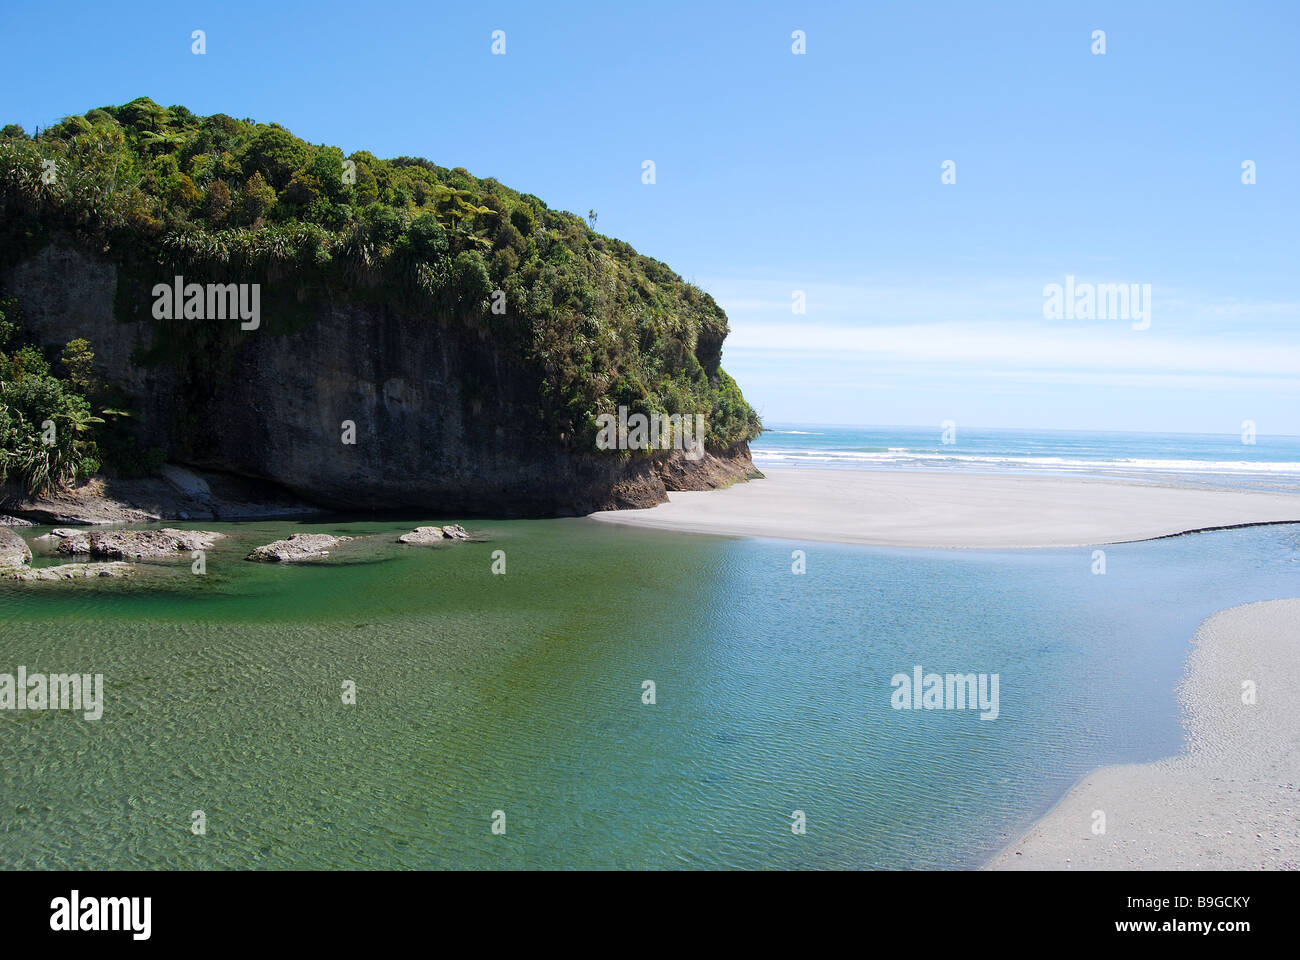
(768, 300)
(1110, 347)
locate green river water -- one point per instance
(522, 693)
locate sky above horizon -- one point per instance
(820, 172)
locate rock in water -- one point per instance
(299, 547)
(69, 571)
(163, 544)
(14, 551)
(70, 541)
(424, 535)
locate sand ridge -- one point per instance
(914, 508)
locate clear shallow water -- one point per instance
(1223, 460)
(522, 693)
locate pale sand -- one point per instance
(910, 508)
(1231, 800)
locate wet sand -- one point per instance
(1230, 800)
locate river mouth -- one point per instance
(523, 692)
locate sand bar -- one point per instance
(912, 508)
(1231, 800)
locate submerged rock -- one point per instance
(452, 531)
(14, 551)
(135, 544)
(69, 571)
(299, 547)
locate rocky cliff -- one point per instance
(442, 419)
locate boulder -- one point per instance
(299, 547)
(14, 551)
(70, 541)
(163, 544)
(424, 535)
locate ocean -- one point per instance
(1270, 463)
(518, 699)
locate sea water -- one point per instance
(1246, 460)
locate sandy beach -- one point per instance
(1231, 800)
(920, 509)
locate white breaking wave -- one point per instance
(1127, 464)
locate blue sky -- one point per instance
(821, 173)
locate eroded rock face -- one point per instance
(177, 493)
(69, 571)
(14, 551)
(163, 544)
(444, 419)
(424, 535)
(299, 547)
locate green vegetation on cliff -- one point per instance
(597, 324)
(43, 419)
(48, 414)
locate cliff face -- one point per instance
(441, 417)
